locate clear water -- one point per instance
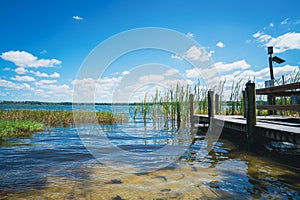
(115, 108)
(56, 165)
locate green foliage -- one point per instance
(63, 118)
(19, 128)
(167, 107)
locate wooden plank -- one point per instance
(280, 88)
(262, 122)
(281, 94)
(278, 107)
(278, 127)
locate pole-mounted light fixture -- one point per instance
(275, 59)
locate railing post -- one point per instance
(250, 110)
(271, 99)
(244, 102)
(191, 109)
(211, 113)
(217, 104)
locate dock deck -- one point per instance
(277, 128)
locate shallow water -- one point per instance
(56, 165)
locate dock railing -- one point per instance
(286, 90)
(250, 104)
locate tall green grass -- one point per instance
(171, 107)
(61, 118)
(18, 128)
(165, 108)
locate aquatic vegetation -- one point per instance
(62, 118)
(19, 128)
(168, 107)
(236, 97)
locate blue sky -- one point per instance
(44, 43)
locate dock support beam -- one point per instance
(217, 104)
(211, 106)
(250, 111)
(244, 103)
(191, 110)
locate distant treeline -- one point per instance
(55, 103)
(228, 103)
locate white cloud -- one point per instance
(176, 56)
(23, 78)
(48, 81)
(45, 75)
(152, 78)
(220, 44)
(54, 75)
(43, 51)
(257, 34)
(197, 53)
(89, 89)
(21, 70)
(25, 59)
(76, 17)
(47, 84)
(282, 43)
(190, 35)
(171, 72)
(205, 73)
(125, 73)
(271, 24)
(14, 86)
(39, 74)
(6, 69)
(241, 64)
(285, 21)
(285, 42)
(210, 53)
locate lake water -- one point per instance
(115, 108)
(55, 164)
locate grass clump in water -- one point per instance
(19, 128)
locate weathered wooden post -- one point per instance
(217, 104)
(250, 111)
(211, 113)
(191, 110)
(244, 102)
(271, 99)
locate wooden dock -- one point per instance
(269, 127)
(255, 128)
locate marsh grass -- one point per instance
(61, 118)
(165, 108)
(19, 128)
(171, 107)
(236, 98)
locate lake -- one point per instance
(56, 164)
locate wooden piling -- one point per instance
(217, 104)
(191, 109)
(250, 111)
(211, 113)
(244, 102)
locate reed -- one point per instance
(236, 97)
(62, 118)
(167, 108)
